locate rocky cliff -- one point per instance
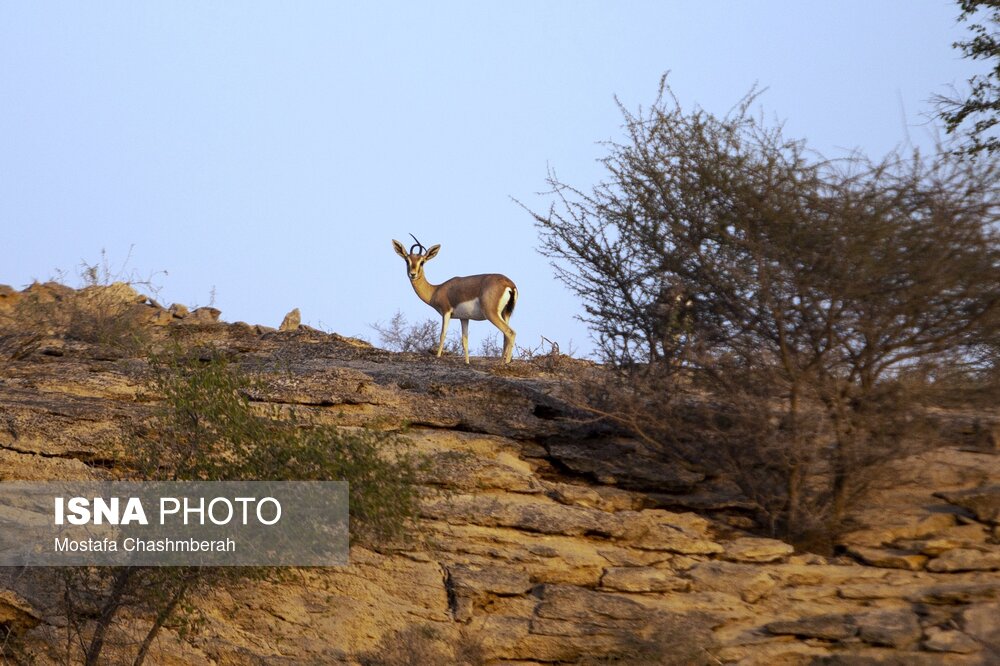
(543, 538)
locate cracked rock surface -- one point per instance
(551, 543)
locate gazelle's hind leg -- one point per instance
(508, 335)
(465, 339)
(445, 320)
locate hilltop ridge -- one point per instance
(544, 536)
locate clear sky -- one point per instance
(267, 152)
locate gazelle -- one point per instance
(490, 297)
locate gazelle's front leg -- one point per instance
(445, 320)
(465, 339)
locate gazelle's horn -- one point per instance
(423, 250)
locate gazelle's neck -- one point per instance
(424, 289)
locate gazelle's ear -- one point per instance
(431, 253)
(398, 247)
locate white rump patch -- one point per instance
(469, 310)
(503, 301)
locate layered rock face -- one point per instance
(543, 539)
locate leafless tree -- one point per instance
(725, 260)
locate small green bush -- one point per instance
(208, 429)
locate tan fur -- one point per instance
(488, 288)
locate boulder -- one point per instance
(179, 310)
(292, 321)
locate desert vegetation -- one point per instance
(773, 315)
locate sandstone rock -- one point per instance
(808, 558)
(205, 315)
(16, 613)
(779, 651)
(983, 502)
(8, 298)
(898, 628)
(877, 656)
(469, 473)
(876, 537)
(826, 574)
(966, 559)
(945, 640)
(116, 292)
(150, 315)
(673, 541)
(603, 498)
(629, 557)
(584, 625)
(291, 321)
(655, 529)
(880, 590)
(888, 558)
(956, 593)
(960, 536)
(470, 585)
(643, 579)
(566, 602)
(525, 548)
(179, 310)
(48, 292)
(749, 582)
(983, 623)
(826, 627)
(751, 549)
(522, 513)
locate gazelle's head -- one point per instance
(416, 257)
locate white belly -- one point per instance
(469, 310)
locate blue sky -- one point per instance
(267, 152)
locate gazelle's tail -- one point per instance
(508, 309)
